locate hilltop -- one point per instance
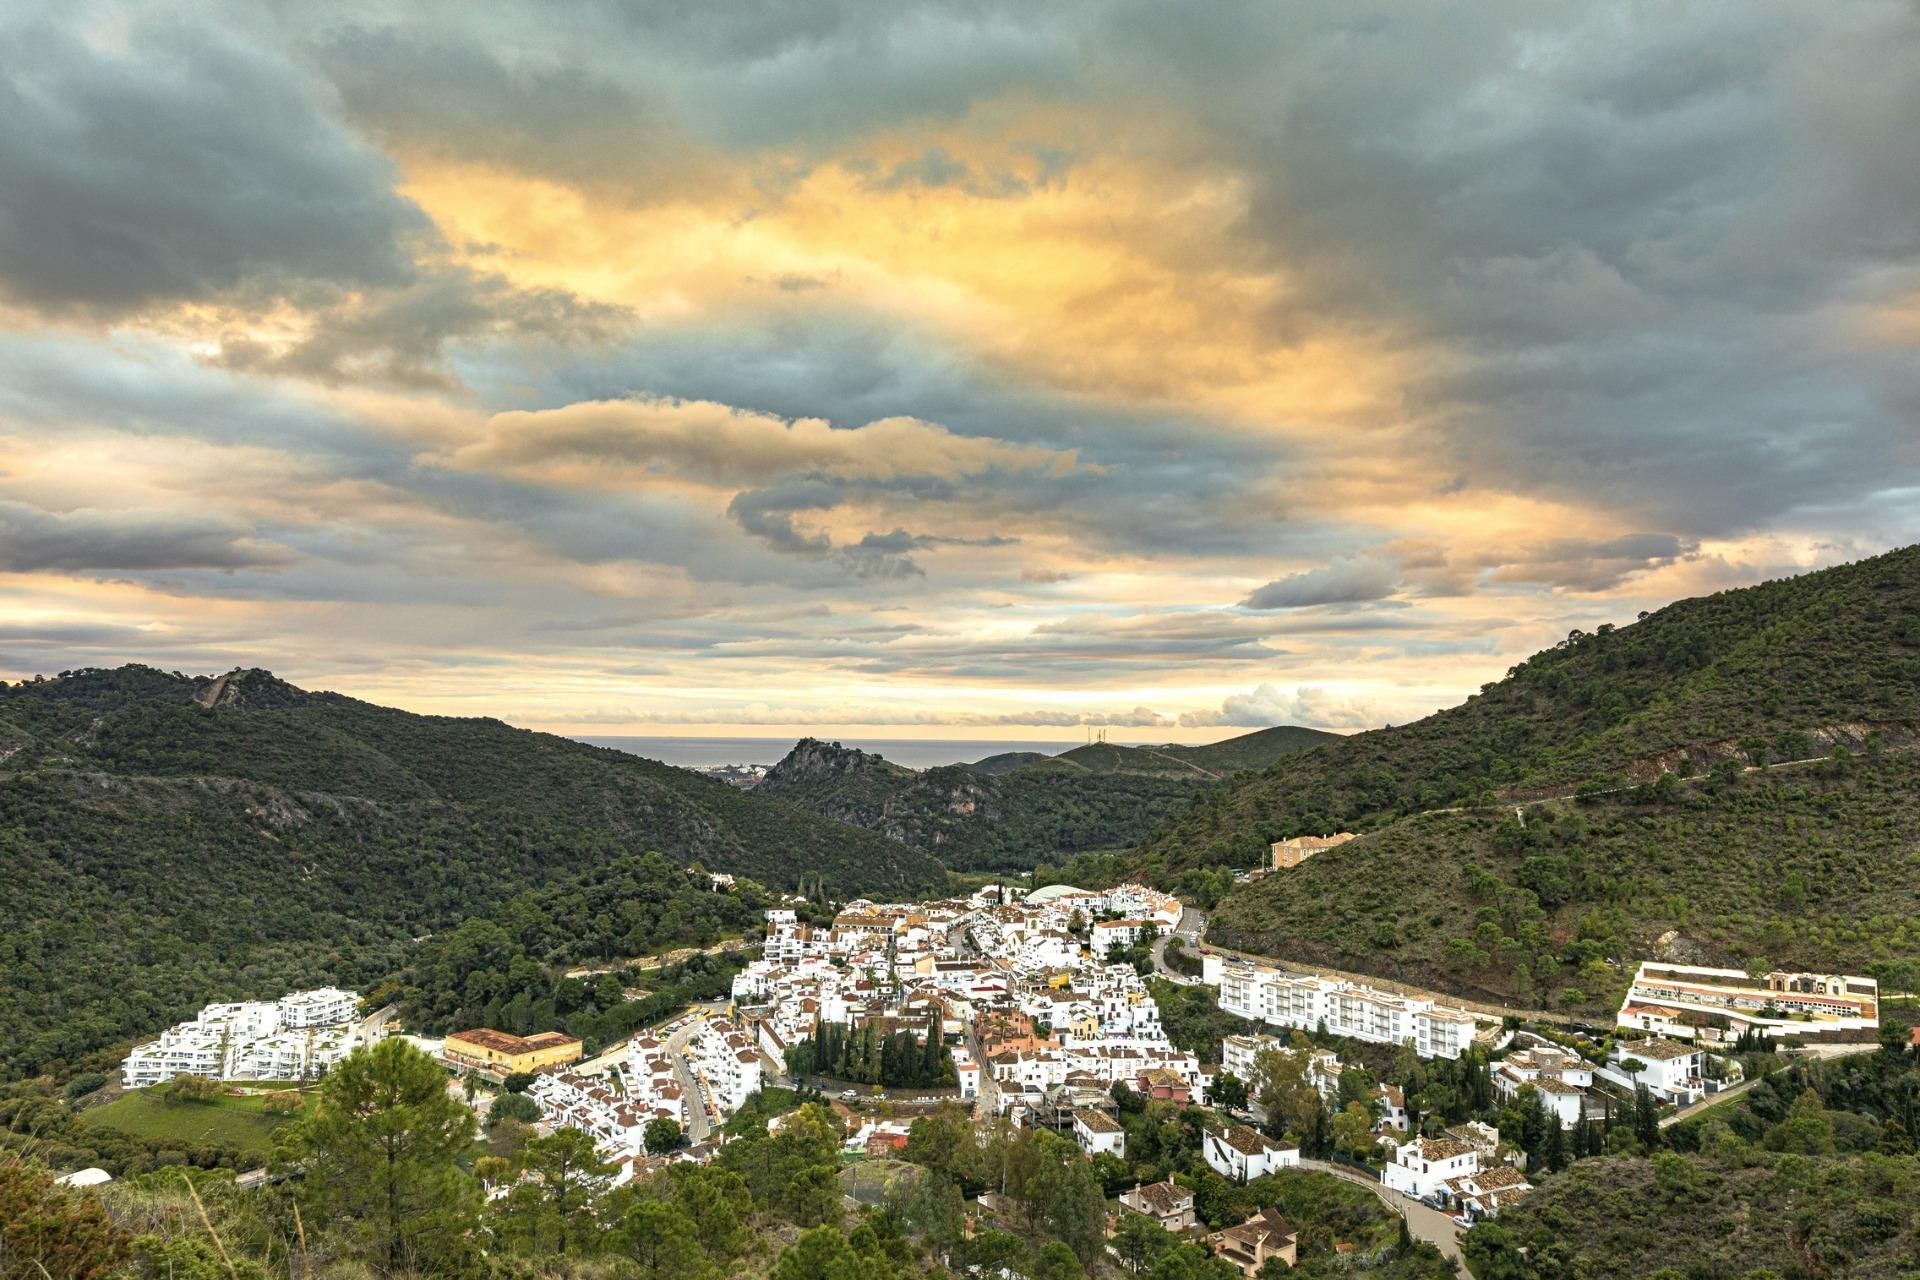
(1014, 810)
(167, 836)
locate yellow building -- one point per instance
(497, 1054)
(1291, 853)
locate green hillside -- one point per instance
(170, 838)
(1098, 796)
(1804, 867)
(1781, 669)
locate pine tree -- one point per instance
(379, 1151)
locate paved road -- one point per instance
(699, 1121)
(1188, 931)
(1423, 1222)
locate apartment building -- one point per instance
(297, 1037)
(1343, 1008)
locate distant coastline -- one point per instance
(915, 753)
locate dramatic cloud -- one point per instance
(720, 444)
(171, 163)
(912, 364)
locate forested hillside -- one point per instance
(1016, 810)
(171, 838)
(1813, 866)
(1780, 670)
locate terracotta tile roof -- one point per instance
(1440, 1148)
(1164, 1198)
(1246, 1141)
(1097, 1121)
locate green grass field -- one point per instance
(236, 1122)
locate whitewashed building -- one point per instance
(298, 1037)
(1243, 1154)
(1421, 1168)
(1342, 1008)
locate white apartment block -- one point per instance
(1343, 1008)
(1240, 1056)
(1105, 935)
(298, 1037)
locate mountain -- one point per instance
(1787, 667)
(1728, 779)
(1015, 810)
(168, 837)
(1008, 761)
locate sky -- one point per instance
(961, 369)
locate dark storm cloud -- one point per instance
(34, 540)
(179, 167)
(1616, 232)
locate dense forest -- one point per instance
(170, 840)
(1798, 665)
(1014, 811)
(508, 971)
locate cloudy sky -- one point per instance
(998, 367)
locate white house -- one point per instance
(1422, 1167)
(1238, 1152)
(1098, 1132)
(1670, 1070)
(1559, 1077)
(968, 1072)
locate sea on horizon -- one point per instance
(914, 753)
